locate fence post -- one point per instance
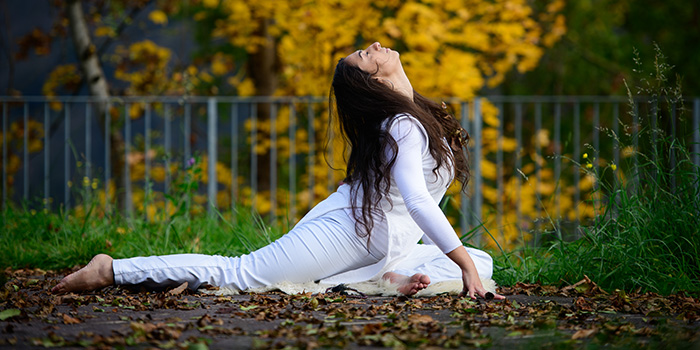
(108, 162)
(292, 161)
(88, 142)
(127, 172)
(477, 167)
(464, 220)
(273, 161)
(499, 170)
(518, 161)
(167, 120)
(47, 159)
(5, 129)
(146, 158)
(234, 156)
(66, 158)
(211, 151)
(312, 151)
(25, 150)
(696, 132)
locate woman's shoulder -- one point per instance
(404, 123)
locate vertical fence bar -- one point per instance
(187, 129)
(108, 162)
(312, 151)
(5, 131)
(47, 141)
(638, 129)
(66, 158)
(147, 157)
(211, 150)
(518, 160)
(273, 161)
(167, 126)
(577, 157)
(557, 164)
(672, 152)
(127, 171)
(538, 168)
(464, 199)
(329, 153)
(499, 169)
(234, 156)
(88, 142)
(25, 152)
(616, 130)
(596, 141)
(253, 155)
(292, 161)
(477, 166)
(696, 131)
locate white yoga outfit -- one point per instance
(324, 245)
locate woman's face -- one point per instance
(379, 61)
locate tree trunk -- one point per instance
(97, 85)
(263, 67)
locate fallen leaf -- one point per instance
(584, 333)
(421, 319)
(70, 320)
(5, 314)
(177, 290)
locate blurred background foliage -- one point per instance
(450, 48)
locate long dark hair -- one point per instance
(363, 104)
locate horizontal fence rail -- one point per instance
(59, 152)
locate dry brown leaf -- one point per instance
(70, 320)
(584, 333)
(421, 319)
(178, 290)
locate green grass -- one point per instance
(647, 237)
(55, 241)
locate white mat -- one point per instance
(381, 287)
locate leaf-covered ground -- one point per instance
(533, 317)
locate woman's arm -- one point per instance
(408, 175)
(470, 278)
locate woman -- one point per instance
(405, 151)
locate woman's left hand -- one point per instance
(473, 287)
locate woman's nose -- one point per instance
(376, 45)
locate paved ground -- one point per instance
(575, 317)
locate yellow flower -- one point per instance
(589, 165)
(585, 155)
(613, 166)
(158, 17)
(105, 31)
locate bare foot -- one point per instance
(408, 285)
(97, 274)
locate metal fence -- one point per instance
(73, 142)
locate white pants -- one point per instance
(317, 249)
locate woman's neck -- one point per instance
(403, 85)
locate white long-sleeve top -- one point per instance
(408, 173)
(409, 211)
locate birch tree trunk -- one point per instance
(97, 84)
